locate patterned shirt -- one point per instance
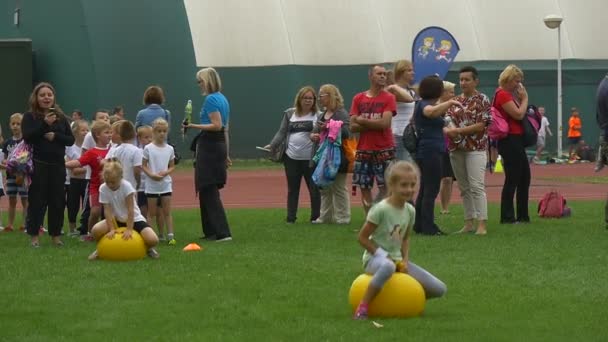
(477, 109)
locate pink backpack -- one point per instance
(553, 204)
(499, 127)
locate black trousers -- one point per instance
(213, 215)
(294, 171)
(86, 212)
(210, 176)
(517, 179)
(77, 191)
(46, 190)
(430, 179)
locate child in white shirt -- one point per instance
(158, 163)
(120, 209)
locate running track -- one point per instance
(268, 189)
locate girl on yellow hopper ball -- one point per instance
(385, 235)
(118, 198)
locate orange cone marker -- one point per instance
(192, 247)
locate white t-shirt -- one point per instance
(129, 156)
(158, 158)
(544, 125)
(113, 146)
(117, 201)
(72, 153)
(405, 111)
(299, 145)
(88, 142)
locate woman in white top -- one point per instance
(295, 130)
(405, 96)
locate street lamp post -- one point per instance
(553, 21)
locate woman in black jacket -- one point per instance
(48, 132)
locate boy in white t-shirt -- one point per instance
(118, 198)
(542, 134)
(158, 163)
(87, 144)
(129, 156)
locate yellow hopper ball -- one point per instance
(118, 249)
(401, 296)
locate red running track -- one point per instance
(268, 188)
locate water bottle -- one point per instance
(450, 124)
(187, 115)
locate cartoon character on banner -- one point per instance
(428, 46)
(433, 51)
(444, 51)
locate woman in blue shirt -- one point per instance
(429, 119)
(212, 156)
(154, 98)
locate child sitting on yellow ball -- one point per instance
(119, 204)
(385, 235)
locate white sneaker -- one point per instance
(317, 221)
(227, 238)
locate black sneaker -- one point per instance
(208, 238)
(153, 254)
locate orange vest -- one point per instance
(574, 127)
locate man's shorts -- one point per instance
(370, 165)
(540, 142)
(12, 189)
(574, 140)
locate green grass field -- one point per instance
(544, 281)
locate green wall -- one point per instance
(16, 71)
(105, 53)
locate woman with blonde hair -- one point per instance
(297, 151)
(212, 159)
(511, 100)
(403, 73)
(335, 200)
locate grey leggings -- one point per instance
(383, 268)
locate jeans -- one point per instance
(401, 153)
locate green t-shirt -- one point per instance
(392, 224)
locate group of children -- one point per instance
(104, 177)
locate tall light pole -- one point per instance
(553, 21)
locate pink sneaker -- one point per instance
(85, 238)
(361, 313)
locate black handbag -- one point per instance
(530, 135)
(410, 134)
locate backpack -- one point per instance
(553, 205)
(410, 133)
(349, 147)
(499, 127)
(531, 125)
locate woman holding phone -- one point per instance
(511, 100)
(48, 132)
